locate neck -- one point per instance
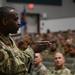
(60, 67)
(4, 33)
(36, 65)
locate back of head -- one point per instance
(4, 10)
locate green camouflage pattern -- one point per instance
(40, 70)
(14, 60)
(64, 71)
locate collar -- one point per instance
(6, 40)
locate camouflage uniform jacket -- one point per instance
(40, 70)
(64, 71)
(12, 60)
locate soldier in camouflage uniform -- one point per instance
(38, 68)
(12, 60)
(59, 65)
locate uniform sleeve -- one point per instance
(67, 72)
(3, 57)
(12, 60)
(29, 51)
(28, 55)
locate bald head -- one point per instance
(4, 11)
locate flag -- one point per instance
(23, 20)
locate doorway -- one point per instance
(33, 23)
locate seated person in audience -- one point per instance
(37, 67)
(59, 65)
(69, 48)
(72, 51)
(53, 48)
(22, 44)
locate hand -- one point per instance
(39, 46)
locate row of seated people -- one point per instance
(58, 67)
(65, 44)
(58, 43)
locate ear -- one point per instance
(5, 21)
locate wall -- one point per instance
(1, 2)
(55, 25)
(66, 10)
(53, 12)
